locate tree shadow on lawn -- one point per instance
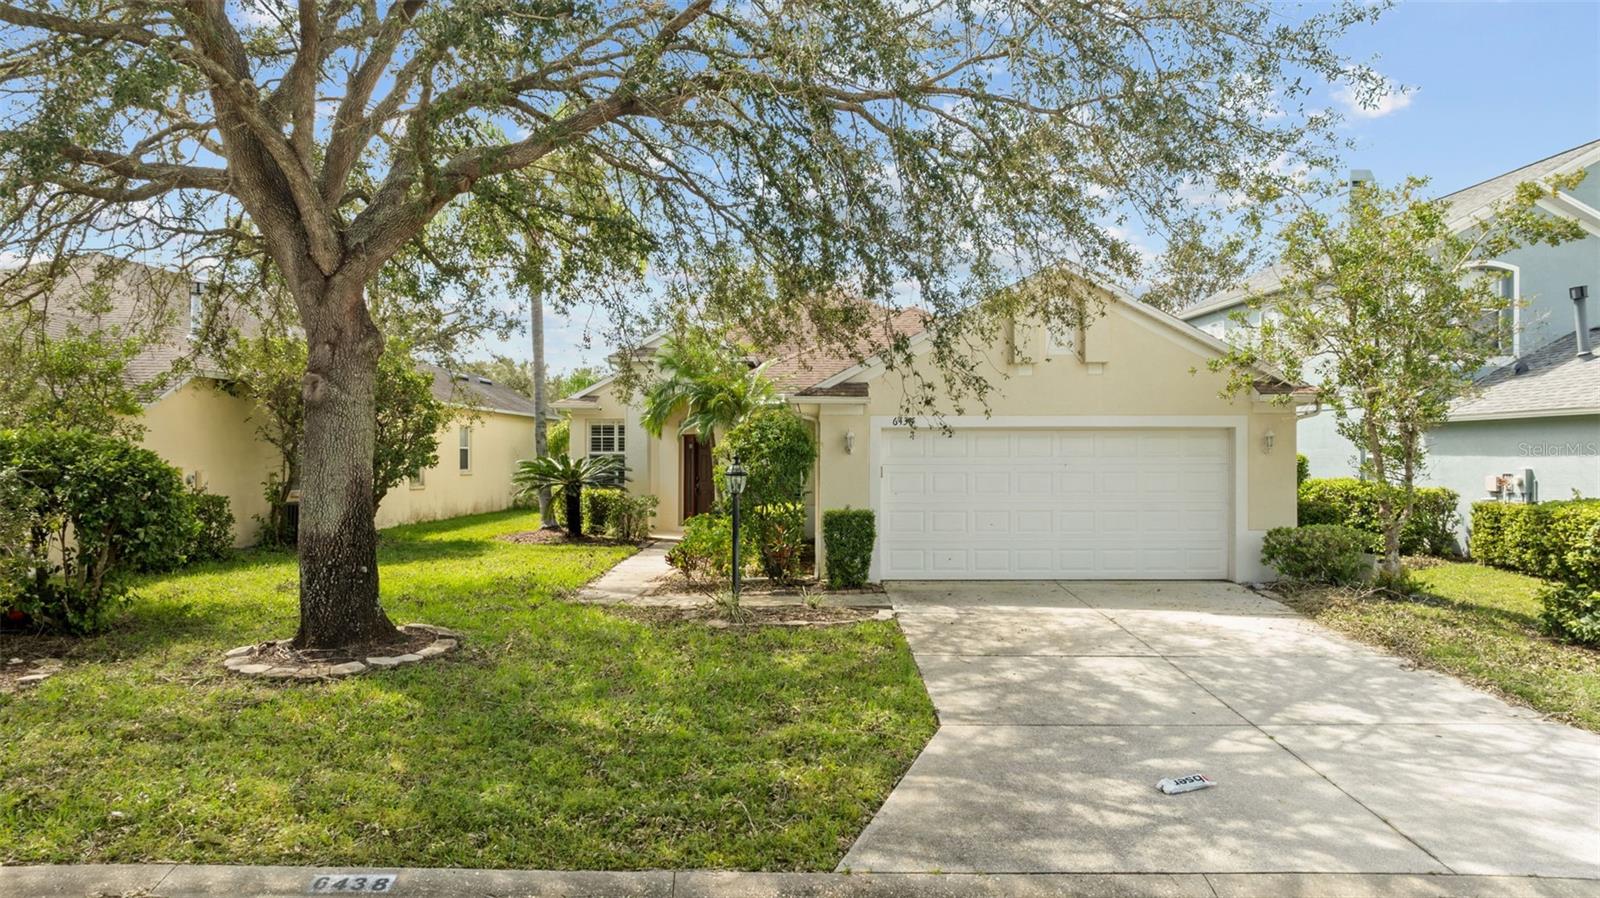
(577, 740)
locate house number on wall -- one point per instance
(352, 883)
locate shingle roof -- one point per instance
(1553, 379)
(477, 392)
(1469, 200)
(798, 367)
(1463, 204)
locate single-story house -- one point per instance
(1108, 452)
(1531, 432)
(210, 434)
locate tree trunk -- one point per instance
(574, 500)
(541, 408)
(338, 541)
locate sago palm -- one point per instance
(566, 478)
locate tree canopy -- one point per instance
(801, 168)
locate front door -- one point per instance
(698, 489)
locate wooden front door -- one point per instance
(698, 488)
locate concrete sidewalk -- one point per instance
(183, 881)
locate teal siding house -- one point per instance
(1531, 431)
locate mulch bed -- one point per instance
(559, 538)
(748, 616)
(677, 584)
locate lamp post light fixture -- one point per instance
(736, 475)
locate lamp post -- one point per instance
(736, 476)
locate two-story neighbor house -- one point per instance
(1536, 414)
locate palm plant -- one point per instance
(709, 382)
(566, 478)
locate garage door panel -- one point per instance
(1045, 504)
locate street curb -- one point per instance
(205, 881)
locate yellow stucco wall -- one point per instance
(498, 442)
(1139, 372)
(200, 428)
(1144, 370)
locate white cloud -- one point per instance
(1395, 99)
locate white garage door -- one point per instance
(1024, 504)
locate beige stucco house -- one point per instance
(210, 434)
(1106, 453)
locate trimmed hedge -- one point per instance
(1318, 553)
(1354, 503)
(1553, 540)
(1571, 612)
(847, 535)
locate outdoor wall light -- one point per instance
(849, 442)
(1268, 440)
(736, 476)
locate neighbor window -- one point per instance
(1500, 324)
(464, 453)
(606, 438)
(419, 479)
(196, 306)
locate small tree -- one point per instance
(778, 450)
(1390, 316)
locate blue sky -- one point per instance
(1496, 85)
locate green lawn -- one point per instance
(1482, 625)
(562, 737)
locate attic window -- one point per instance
(197, 293)
(1500, 324)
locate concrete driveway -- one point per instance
(1061, 704)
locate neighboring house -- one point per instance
(1537, 417)
(1106, 453)
(209, 434)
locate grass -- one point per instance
(562, 737)
(1480, 624)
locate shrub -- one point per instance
(1354, 503)
(847, 535)
(1571, 612)
(1552, 540)
(96, 509)
(214, 531)
(599, 507)
(1302, 469)
(778, 449)
(706, 550)
(1318, 553)
(630, 519)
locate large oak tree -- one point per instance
(843, 150)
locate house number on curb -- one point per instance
(352, 883)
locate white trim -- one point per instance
(1516, 300)
(797, 399)
(1242, 542)
(1569, 206)
(1575, 411)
